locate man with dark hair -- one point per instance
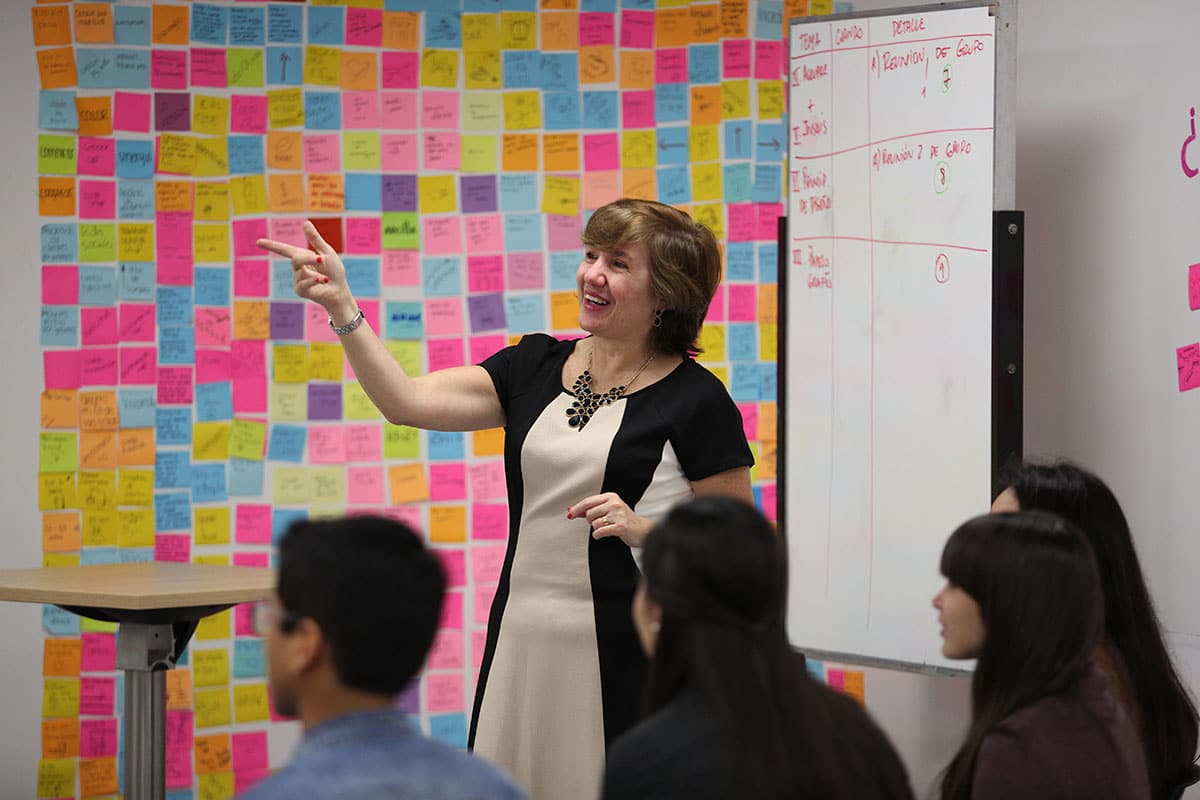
(356, 608)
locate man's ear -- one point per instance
(305, 646)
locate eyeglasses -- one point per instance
(267, 614)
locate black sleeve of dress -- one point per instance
(509, 368)
(709, 436)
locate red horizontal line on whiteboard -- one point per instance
(891, 139)
(890, 44)
(891, 241)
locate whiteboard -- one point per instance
(886, 370)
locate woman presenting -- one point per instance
(602, 436)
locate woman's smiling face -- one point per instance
(616, 299)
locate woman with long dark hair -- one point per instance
(1132, 650)
(1023, 598)
(731, 711)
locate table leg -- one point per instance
(145, 652)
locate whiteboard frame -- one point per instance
(1003, 199)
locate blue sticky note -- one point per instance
(449, 729)
(768, 383)
(559, 71)
(674, 185)
(214, 401)
(768, 263)
(446, 445)
(172, 425)
(442, 277)
(60, 326)
(561, 111)
(282, 519)
(522, 232)
(96, 68)
(739, 261)
(135, 281)
(57, 622)
(768, 19)
(56, 110)
(97, 286)
(741, 341)
(131, 24)
(363, 191)
(245, 477)
(443, 28)
(737, 183)
(521, 69)
(481, 6)
(174, 305)
(671, 102)
(526, 312)
(672, 146)
(638, 5)
(172, 469)
(518, 5)
(563, 266)
(246, 155)
(284, 23)
(247, 26)
(136, 407)
(131, 69)
(322, 111)
(212, 286)
(286, 443)
(518, 192)
(843, 6)
(606, 6)
(815, 668)
(768, 183)
(600, 110)
(770, 142)
(60, 243)
(137, 555)
(172, 511)
(285, 65)
(403, 320)
(283, 285)
(739, 139)
(362, 274)
(135, 158)
(210, 24)
(249, 658)
(208, 483)
(744, 384)
(98, 555)
(135, 200)
(326, 25)
(704, 63)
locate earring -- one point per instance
(658, 317)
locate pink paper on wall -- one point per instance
(175, 386)
(767, 221)
(398, 152)
(452, 611)
(326, 444)
(770, 500)
(487, 480)
(322, 152)
(768, 60)
(740, 227)
(410, 515)
(360, 111)
(671, 65)
(250, 395)
(212, 326)
(439, 110)
(173, 547)
(601, 151)
(213, 366)
(399, 111)
(486, 563)
(400, 70)
(743, 302)
(595, 28)
(442, 235)
(131, 111)
(735, 58)
(98, 366)
(97, 200)
(364, 235)
(173, 248)
(246, 779)
(490, 520)
(251, 560)
(485, 273)
(98, 737)
(135, 322)
(484, 594)
(445, 353)
(478, 646)
(364, 27)
(446, 651)
(96, 696)
(98, 326)
(60, 285)
(1187, 362)
(480, 348)
(444, 693)
(637, 108)
(365, 485)
(251, 277)
(750, 421)
(455, 564)
(138, 366)
(316, 324)
(1194, 286)
(249, 750)
(98, 652)
(526, 271)
(364, 443)
(168, 69)
(716, 309)
(243, 620)
(252, 524)
(245, 233)
(485, 233)
(447, 481)
(444, 316)
(637, 29)
(247, 114)
(564, 232)
(286, 229)
(401, 268)
(97, 156)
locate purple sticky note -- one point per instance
(324, 401)
(1194, 286)
(409, 700)
(486, 312)
(478, 193)
(399, 192)
(1187, 360)
(287, 320)
(172, 111)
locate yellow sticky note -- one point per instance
(481, 111)
(291, 486)
(483, 70)
(212, 201)
(712, 341)
(564, 311)
(356, 405)
(768, 342)
(439, 68)
(401, 442)
(211, 706)
(176, 153)
(322, 65)
(488, 442)
(210, 667)
(735, 99)
(135, 241)
(478, 153)
(250, 702)
(60, 560)
(289, 402)
(216, 785)
(58, 451)
(522, 110)
(703, 143)
(328, 486)
(96, 490)
(214, 626)
(212, 156)
(326, 361)
(60, 698)
(88, 625)
(480, 32)
(210, 114)
(408, 483)
(518, 30)
(770, 100)
(249, 193)
(56, 491)
(210, 441)
(448, 523)
(137, 528)
(135, 487)
(101, 528)
(247, 439)
(712, 216)
(407, 354)
(637, 149)
(212, 525)
(210, 243)
(561, 196)
(220, 559)
(285, 108)
(290, 363)
(722, 374)
(706, 182)
(436, 194)
(361, 151)
(56, 777)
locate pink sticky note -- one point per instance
(447, 481)
(478, 646)
(180, 729)
(287, 229)
(60, 285)
(96, 696)
(97, 200)
(316, 324)
(564, 232)
(446, 651)
(455, 564)
(487, 480)
(322, 153)
(490, 521)
(444, 693)
(173, 248)
(735, 58)
(768, 60)
(97, 156)
(410, 515)
(327, 444)
(98, 366)
(168, 69)
(439, 110)
(249, 750)
(360, 110)
(484, 233)
(173, 547)
(131, 111)
(135, 322)
(213, 366)
(595, 28)
(1187, 360)
(445, 353)
(251, 560)
(251, 277)
(1194, 286)
(401, 268)
(601, 151)
(98, 326)
(442, 235)
(743, 302)
(444, 316)
(526, 271)
(139, 366)
(364, 235)
(671, 65)
(486, 563)
(398, 152)
(208, 67)
(398, 111)
(99, 652)
(836, 679)
(485, 273)
(767, 221)
(249, 357)
(243, 620)
(364, 27)
(364, 443)
(442, 151)
(365, 485)
(175, 386)
(400, 70)
(250, 395)
(637, 28)
(740, 226)
(452, 611)
(245, 233)
(716, 308)
(98, 737)
(770, 501)
(212, 327)
(252, 524)
(484, 595)
(482, 347)
(247, 114)
(750, 420)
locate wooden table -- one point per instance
(156, 606)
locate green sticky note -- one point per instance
(87, 625)
(97, 241)
(58, 451)
(360, 151)
(56, 155)
(244, 67)
(407, 354)
(247, 439)
(401, 441)
(400, 231)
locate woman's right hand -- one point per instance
(317, 273)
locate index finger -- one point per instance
(316, 241)
(279, 248)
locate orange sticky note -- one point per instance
(706, 105)
(169, 25)
(95, 115)
(768, 420)
(56, 197)
(400, 30)
(765, 464)
(596, 64)
(285, 150)
(408, 483)
(60, 533)
(98, 411)
(97, 450)
(360, 70)
(56, 67)
(97, 777)
(447, 523)
(673, 27)
(519, 152)
(706, 23)
(61, 657)
(560, 31)
(285, 192)
(60, 738)
(601, 188)
(173, 196)
(735, 18)
(60, 408)
(213, 753)
(179, 689)
(641, 184)
(93, 23)
(768, 303)
(564, 311)
(135, 447)
(637, 69)
(793, 8)
(326, 192)
(560, 152)
(853, 686)
(558, 4)
(51, 26)
(489, 442)
(251, 319)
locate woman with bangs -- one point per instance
(1023, 598)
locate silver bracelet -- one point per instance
(342, 330)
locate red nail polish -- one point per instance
(568, 513)
(319, 259)
(324, 280)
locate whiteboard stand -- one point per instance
(1008, 316)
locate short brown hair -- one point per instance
(685, 264)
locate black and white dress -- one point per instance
(562, 669)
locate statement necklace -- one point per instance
(587, 402)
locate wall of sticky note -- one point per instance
(191, 406)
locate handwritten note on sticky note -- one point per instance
(408, 483)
